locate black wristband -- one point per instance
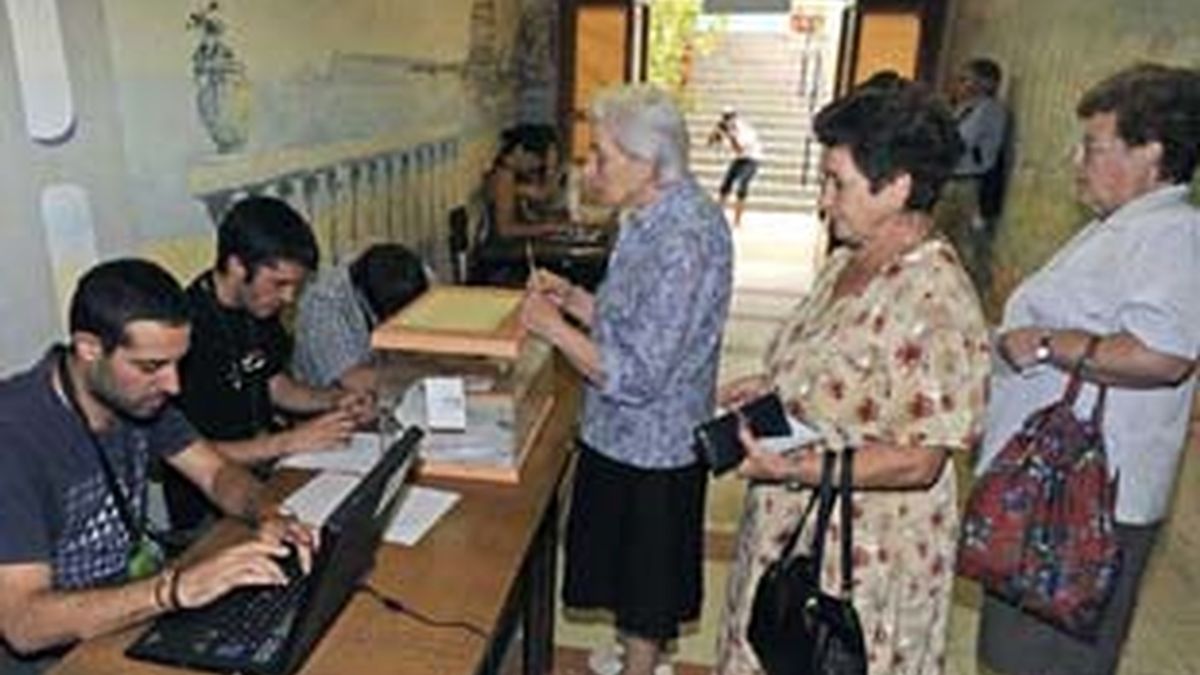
(176, 601)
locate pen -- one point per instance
(529, 258)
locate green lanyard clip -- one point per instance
(145, 559)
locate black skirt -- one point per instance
(635, 544)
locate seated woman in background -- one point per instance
(888, 353)
(524, 186)
(338, 311)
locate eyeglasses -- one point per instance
(1088, 149)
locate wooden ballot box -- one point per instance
(471, 335)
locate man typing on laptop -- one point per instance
(77, 433)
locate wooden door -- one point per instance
(604, 45)
(900, 35)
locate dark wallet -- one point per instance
(717, 439)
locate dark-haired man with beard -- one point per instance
(77, 434)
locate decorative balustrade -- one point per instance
(396, 188)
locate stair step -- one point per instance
(790, 125)
(776, 140)
(780, 97)
(761, 195)
(778, 102)
(772, 135)
(791, 177)
(788, 191)
(777, 151)
(774, 156)
(794, 121)
(773, 162)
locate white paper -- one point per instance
(445, 403)
(488, 438)
(420, 508)
(356, 457)
(801, 435)
(313, 503)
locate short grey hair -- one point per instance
(644, 121)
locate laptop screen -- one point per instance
(349, 539)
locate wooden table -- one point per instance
(489, 562)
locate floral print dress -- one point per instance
(906, 360)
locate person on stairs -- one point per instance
(743, 139)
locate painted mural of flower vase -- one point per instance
(222, 89)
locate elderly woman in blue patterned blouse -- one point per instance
(648, 352)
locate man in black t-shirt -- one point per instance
(77, 433)
(234, 379)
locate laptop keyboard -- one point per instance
(249, 623)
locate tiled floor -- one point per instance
(775, 259)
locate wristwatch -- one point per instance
(1043, 352)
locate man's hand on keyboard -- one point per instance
(284, 528)
(251, 563)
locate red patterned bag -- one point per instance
(1038, 530)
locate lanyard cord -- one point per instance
(110, 477)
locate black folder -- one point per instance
(717, 439)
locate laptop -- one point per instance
(270, 630)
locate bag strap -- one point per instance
(1098, 409)
(845, 493)
(1085, 361)
(826, 481)
(1075, 380)
(828, 496)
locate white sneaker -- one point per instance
(609, 659)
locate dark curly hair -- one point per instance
(890, 131)
(1153, 102)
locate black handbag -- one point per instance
(795, 627)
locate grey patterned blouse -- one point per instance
(657, 324)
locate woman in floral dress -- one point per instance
(888, 353)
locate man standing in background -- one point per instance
(971, 201)
(747, 150)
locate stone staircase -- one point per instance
(759, 73)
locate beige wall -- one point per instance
(320, 73)
(1051, 51)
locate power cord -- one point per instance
(399, 607)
